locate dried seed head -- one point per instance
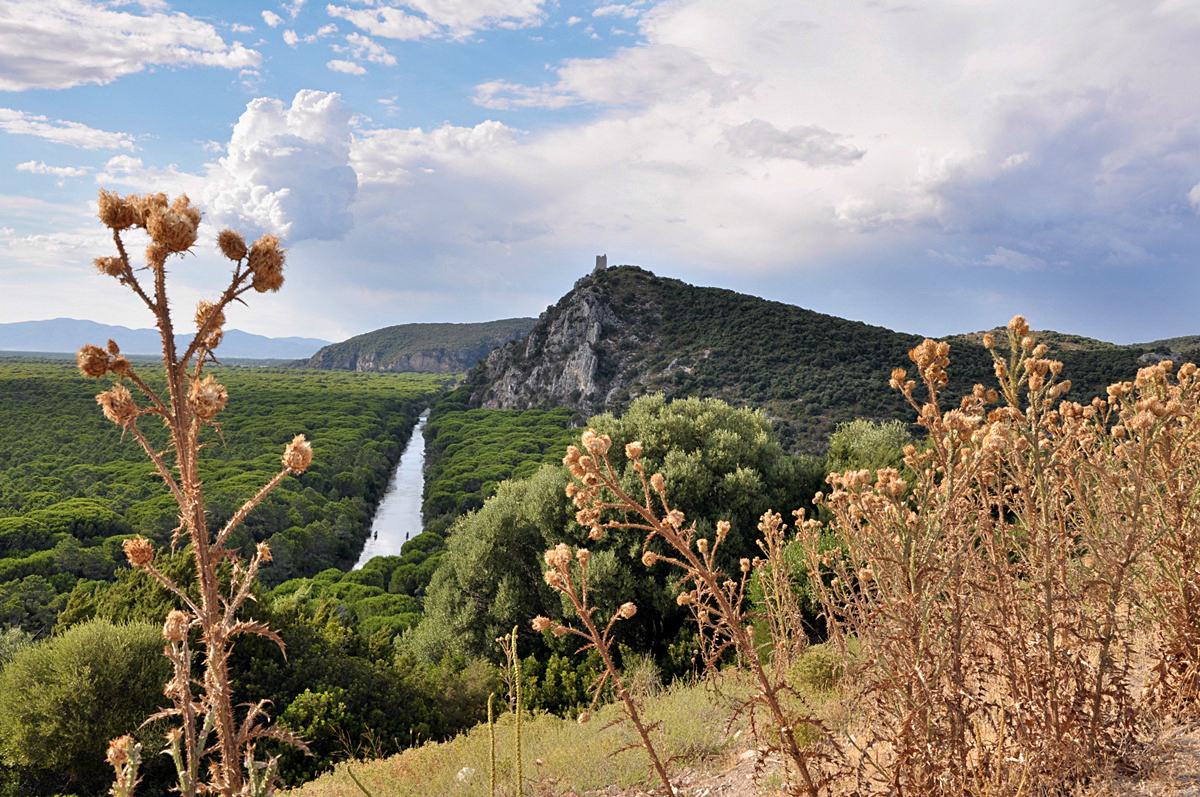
(264, 552)
(989, 340)
(542, 623)
(1018, 327)
(114, 212)
(597, 444)
(266, 262)
(120, 366)
(112, 266)
(93, 361)
(684, 598)
(176, 626)
(596, 533)
(232, 244)
(139, 551)
(675, 518)
(118, 750)
(173, 229)
(722, 529)
(657, 482)
(559, 630)
(118, 405)
(206, 310)
(702, 545)
(207, 398)
(584, 718)
(298, 454)
(583, 555)
(866, 575)
(649, 558)
(628, 609)
(633, 450)
(745, 565)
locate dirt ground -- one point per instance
(1172, 769)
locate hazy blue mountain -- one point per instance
(68, 334)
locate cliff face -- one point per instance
(423, 348)
(559, 362)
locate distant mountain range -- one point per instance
(66, 335)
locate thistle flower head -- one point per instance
(93, 361)
(1018, 327)
(675, 518)
(657, 482)
(114, 212)
(207, 398)
(745, 565)
(583, 555)
(112, 266)
(598, 444)
(633, 450)
(266, 262)
(139, 551)
(649, 558)
(232, 244)
(542, 623)
(118, 405)
(176, 626)
(206, 310)
(174, 228)
(722, 529)
(298, 454)
(628, 609)
(264, 552)
(118, 750)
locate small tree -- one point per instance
(187, 405)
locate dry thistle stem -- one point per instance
(715, 599)
(561, 577)
(192, 401)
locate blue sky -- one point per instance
(932, 166)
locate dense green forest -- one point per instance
(71, 489)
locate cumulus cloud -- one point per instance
(345, 67)
(60, 43)
(62, 132)
(809, 144)
(362, 47)
(38, 167)
(441, 18)
(287, 169)
(272, 19)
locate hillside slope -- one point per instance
(425, 348)
(624, 332)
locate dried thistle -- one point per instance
(208, 726)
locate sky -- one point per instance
(931, 166)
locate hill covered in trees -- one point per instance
(624, 332)
(423, 348)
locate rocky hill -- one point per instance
(424, 348)
(624, 332)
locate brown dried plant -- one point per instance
(715, 598)
(561, 577)
(997, 604)
(189, 403)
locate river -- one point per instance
(398, 516)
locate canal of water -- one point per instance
(398, 517)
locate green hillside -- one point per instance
(423, 348)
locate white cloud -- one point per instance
(237, 27)
(38, 167)
(272, 19)
(61, 43)
(290, 37)
(58, 131)
(327, 30)
(809, 144)
(635, 76)
(345, 67)
(441, 18)
(1194, 197)
(287, 169)
(622, 10)
(364, 48)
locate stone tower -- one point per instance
(601, 263)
